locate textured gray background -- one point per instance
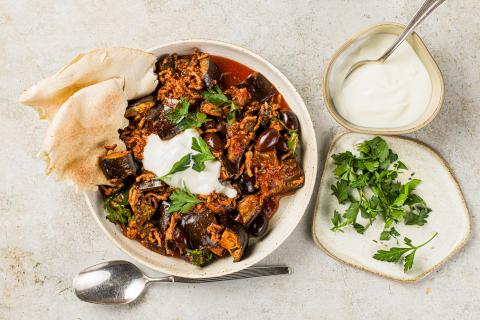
(47, 234)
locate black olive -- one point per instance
(210, 125)
(290, 120)
(259, 226)
(213, 141)
(267, 140)
(247, 184)
(282, 145)
(180, 239)
(222, 127)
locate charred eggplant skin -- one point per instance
(118, 165)
(210, 72)
(259, 87)
(151, 185)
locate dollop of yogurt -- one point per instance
(387, 95)
(160, 155)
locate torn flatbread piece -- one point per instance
(134, 66)
(84, 124)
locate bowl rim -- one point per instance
(346, 124)
(308, 190)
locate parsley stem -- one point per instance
(421, 245)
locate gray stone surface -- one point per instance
(47, 234)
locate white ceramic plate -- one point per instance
(291, 207)
(449, 216)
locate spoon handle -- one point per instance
(251, 272)
(421, 14)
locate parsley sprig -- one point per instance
(367, 184)
(181, 165)
(182, 200)
(217, 98)
(204, 154)
(117, 208)
(396, 253)
(183, 119)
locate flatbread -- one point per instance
(78, 132)
(134, 66)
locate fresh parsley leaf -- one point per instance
(182, 119)
(200, 257)
(231, 116)
(181, 165)
(182, 201)
(204, 154)
(388, 234)
(336, 219)
(418, 216)
(118, 208)
(368, 183)
(292, 142)
(217, 97)
(340, 190)
(179, 113)
(395, 254)
(192, 120)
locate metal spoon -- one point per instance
(121, 282)
(421, 14)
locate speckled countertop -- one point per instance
(47, 234)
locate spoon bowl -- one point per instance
(113, 282)
(424, 11)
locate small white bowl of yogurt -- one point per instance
(399, 96)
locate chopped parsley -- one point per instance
(204, 154)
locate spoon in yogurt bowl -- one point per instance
(421, 14)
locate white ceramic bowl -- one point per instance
(291, 207)
(436, 78)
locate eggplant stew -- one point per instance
(248, 128)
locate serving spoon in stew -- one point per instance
(121, 282)
(424, 11)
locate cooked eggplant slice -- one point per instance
(210, 72)
(118, 165)
(140, 107)
(152, 185)
(156, 122)
(195, 227)
(259, 87)
(248, 208)
(235, 240)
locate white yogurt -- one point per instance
(160, 155)
(389, 95)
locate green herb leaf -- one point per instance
(200, 257)
(369, 181)
(192, 120)
(340, 190)
(118, 208)
(292, 141)
(388, 234)
(395, 254)
(177, 114)
(182, 201)
(216, 96)
(204, 154)
(417, 216)
(181, 165)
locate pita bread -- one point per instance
(134, 66)
(83, 125)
